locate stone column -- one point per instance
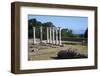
(56, 36)
(60, 42)
(50, 35)
(53, 39)
(41, 34)
(47, 35)
(34, 40)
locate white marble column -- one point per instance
(41, 34)
(50, 35)
(34, 40)
(56, 36)
(60, 42)
(53, 39)
(47, 35)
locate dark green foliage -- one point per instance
(37, 24)
(30, 30)
(45, 25)
(86, 33)
(67, 32)
(48, 24)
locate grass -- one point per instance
(47, 54)
(70, 43)
(51, 53)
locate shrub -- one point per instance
(69, 54)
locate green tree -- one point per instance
(37, 24)
(86, 33)
(67, 33)
(45, 25)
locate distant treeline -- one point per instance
(65, 32)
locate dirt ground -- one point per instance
(48, 52)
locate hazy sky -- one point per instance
(76, 23)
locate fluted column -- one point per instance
(34, 40)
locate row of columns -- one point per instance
(52, 35)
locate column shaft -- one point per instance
(50, 35)
(60, 42)
(41, 34)
(47, 35)
(34, 40)
(53, 39)
(56, 36)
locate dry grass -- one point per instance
(48, 53)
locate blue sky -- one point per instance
(76, 23)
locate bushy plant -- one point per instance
(70, 54)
